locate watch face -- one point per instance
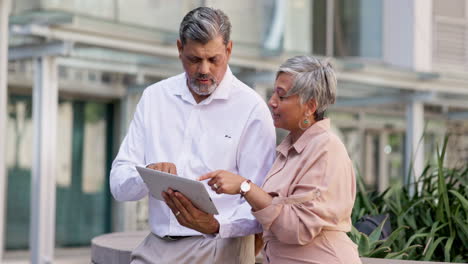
(245, 187)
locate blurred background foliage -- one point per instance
(429, 217)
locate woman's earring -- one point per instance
(304, 124)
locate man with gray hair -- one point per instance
(199, 121)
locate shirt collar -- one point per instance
(222, 91)
(317, 128)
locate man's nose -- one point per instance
(204, 68)
(272, 102)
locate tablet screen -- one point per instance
(158, 181)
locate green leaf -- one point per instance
(435, 229)
(415, 236)
(463, 226)
(430, 250)
(427, 219)
(448, 247)
(375, 235)
(363, 245)
(458, 259)
(355, 235)
(396, 255)
(462, 199)
(444, 206)
(393, 236)
(379, 252)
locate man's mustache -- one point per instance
(204, 76)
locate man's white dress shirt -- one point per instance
(230, 130)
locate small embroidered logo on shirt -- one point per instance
(227, 136)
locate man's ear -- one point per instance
(229, 49)
(180, 47)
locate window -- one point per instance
(83, 163)
(450, 35)
(357, 29)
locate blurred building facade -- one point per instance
(402, 71)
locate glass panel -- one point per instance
(251, 23)
(319, 21)
(395, 152)
(19, 163)
(164, 15)
(94, 156)
(83, 206)
(19, 6)
(370, 29)
(352, 139)
(102, 8)
(298, 34)
(372, 159)
(64, 147)
(358, 28)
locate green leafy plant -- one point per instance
(430, 217)
(373, 247)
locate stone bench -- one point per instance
(116, 248)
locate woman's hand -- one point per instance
(226, 182)
(223, 181)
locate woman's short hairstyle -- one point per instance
(313, 79)
(203, 24)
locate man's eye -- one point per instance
(281, 96)
(193, 60)
(213, 60)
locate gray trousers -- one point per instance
(197, 249)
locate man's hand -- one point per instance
(164, 167)
(188, 215)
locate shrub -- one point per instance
(430, 217)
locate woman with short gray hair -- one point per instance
(305, 202)
(313, 79)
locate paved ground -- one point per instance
(62, 256)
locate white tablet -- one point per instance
(158, 182)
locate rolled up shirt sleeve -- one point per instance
(319, 198)
(125, 182)
(292, 222)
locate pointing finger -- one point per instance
(208, 175)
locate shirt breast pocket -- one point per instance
(218, 152)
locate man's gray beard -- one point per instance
(201, 89)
